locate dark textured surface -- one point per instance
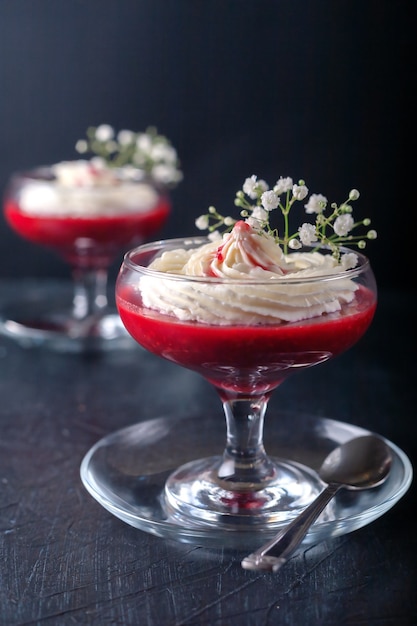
(65, 560)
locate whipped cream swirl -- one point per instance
(85, 189)
(262, 286)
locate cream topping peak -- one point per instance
(255, 291)
(245, 251)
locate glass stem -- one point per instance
(245, 465)
(90, 292)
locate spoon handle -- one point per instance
(290, 537)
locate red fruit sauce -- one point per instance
(246, 359)
(103, 236)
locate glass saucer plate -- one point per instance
(126, 472)
(41, 317)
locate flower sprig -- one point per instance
(141, 154)
(256, 200)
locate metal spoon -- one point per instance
(360, 463)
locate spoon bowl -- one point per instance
(361, 463)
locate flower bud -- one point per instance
(294, 244)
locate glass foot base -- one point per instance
(127, 473)
(43, 318)
(194, 491)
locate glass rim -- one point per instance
(171, 244)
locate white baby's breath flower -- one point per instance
(308, 234)
(354, 194)
(202, 222)
(262, 185)
(253, 222)
(144, 142)
(331, 228)
(164, 173)
(163, 152)
(125, 137)
(104, 132)
(258, 217)
(299, 192)
(349, 260)
(214, 236)
(283, 185)
(249, 187)
(343, 224)
(316, 203)
(81, 146)
(260, 214)
(294, 244)
(137, 156)
(269, 200)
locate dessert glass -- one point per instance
(239, 487)
(87, 226)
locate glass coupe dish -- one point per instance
(239, 486)
(87, 226)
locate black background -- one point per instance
(319, 90)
